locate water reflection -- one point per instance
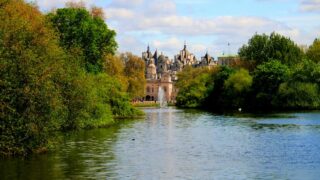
(172, 143)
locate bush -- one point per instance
(298, 95)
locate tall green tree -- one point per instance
(262, 48)
(313, 52)
(266, 81)
(84, 35)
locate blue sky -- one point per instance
(205, 25)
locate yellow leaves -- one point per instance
(97, 12)
(128, 69)
(80, 4)
(134, 71)
(113, 65)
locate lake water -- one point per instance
(183, 144)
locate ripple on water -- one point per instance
(172, 143)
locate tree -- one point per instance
(134, 71)
(266, 80)
(194, 85)
(236, 88)
(313, 52)
(84, 35)
(43, 88)
(239, 81)
(114, 66)
(263, 48)
(306, 71)
(216, 99)
(31, 104)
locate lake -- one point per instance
(171, 143)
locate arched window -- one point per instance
(165, 89)
(148, 89)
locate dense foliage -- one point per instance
(134, 71)
(194, 85)
(129, 70)
(282, 78)
(84, 35)
(313, 52)
(262, 48)
(44, 86)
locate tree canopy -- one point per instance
(262, 48)
(84, 35)
(194, 85)
(44, 85)
(134, 72)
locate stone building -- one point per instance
(161, 71)
(207, 60)
(227, 60)
(185, 57)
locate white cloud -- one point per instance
(138, 22)
(162, 17)
(119, 13)
(47, 5)
(310, 6)
(126, 3)
(170, 43)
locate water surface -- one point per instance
(183, 144)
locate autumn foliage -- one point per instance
(53, 79)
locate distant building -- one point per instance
(207, 60)
(185, 57)
(161, 71)
(227, 60)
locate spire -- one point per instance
(148, 48)
(155, 57)
(156, 54)
(207, 55)
(185, 45)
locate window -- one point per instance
(148, 89)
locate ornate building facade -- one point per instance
(161, 72)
